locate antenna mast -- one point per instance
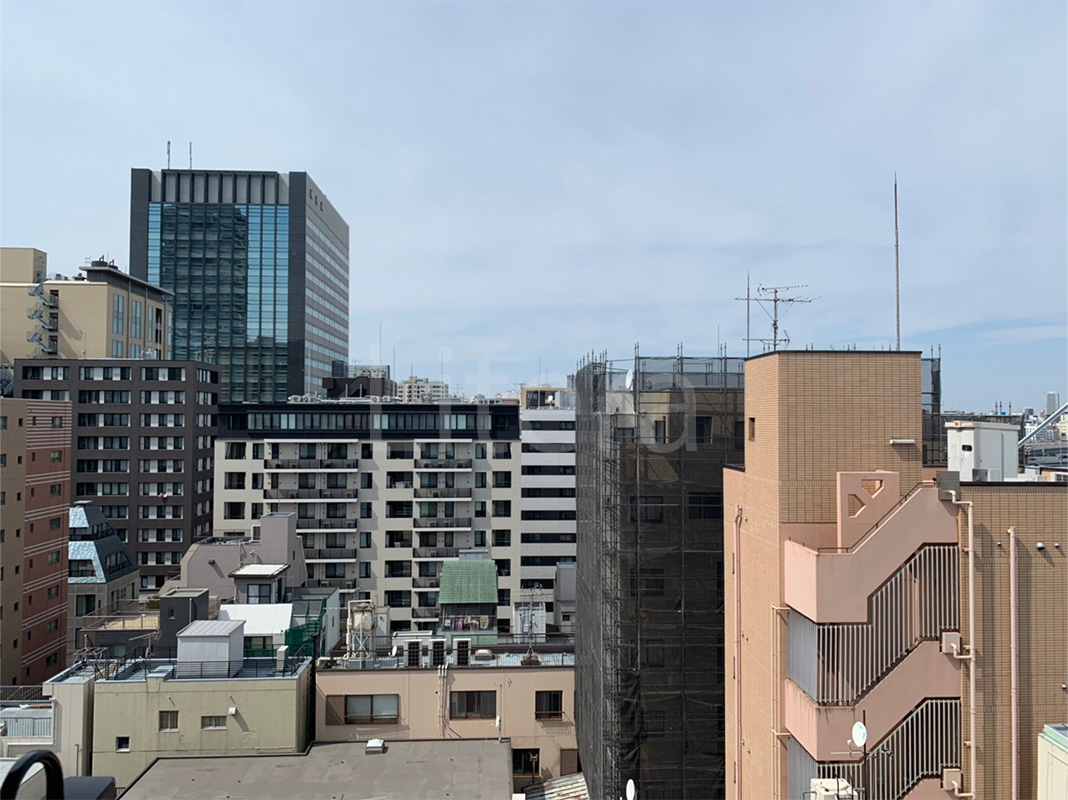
(774, 300)
(897, 271)
(748, 298)
(190, 155)
(168, 154)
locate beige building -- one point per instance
(208, 701)
(856, 649)
(101, 313)
(496, 698)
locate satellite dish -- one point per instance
(393, 652)
(632, 789)
(860, 734)
(630, 385)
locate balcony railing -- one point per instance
(443, 463)
(426, 583)
(309, 494)
(332, 553)
(419, 612)
(436, 552)
(442, 522)
(332, 583)
(311, 463)
(434, 494)
(306, 524)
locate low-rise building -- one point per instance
(434, 692)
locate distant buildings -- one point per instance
(259, 266)
(422, 390)
(879, 612)
(35, 493)
(103, 314)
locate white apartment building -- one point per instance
(383, 493)
(422, 390)
(548, 518)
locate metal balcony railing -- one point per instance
(332, 583)
(434, 494)
(421, 612)
(334, 524)
(436, 552)
(332, 553)
(311, 463)
(443, 463)
(310, 494)
(442, 522)
(426, 583)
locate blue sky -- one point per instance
(529, 182)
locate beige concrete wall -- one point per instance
(1039, 513)
(269, 718)
(424, 707)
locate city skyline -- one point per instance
(517, 178)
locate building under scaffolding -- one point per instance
(653, 435)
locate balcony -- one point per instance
(443, 463)
(344, 584)
(309, 494)
(444, 494)
(425, 613)
(331, 554)
(442, 522)
(275, 464)
(426, 583)
(436, 552)
(327, 524)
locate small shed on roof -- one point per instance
(468, 582)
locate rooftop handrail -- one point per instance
(867, 534)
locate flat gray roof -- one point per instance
(471, 769)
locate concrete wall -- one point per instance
(270, 718)
(424, 707)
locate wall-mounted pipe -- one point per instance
(1014, 655)
(971, 656)
(736, 568)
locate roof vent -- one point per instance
(375, 746)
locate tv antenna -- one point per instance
(897, 272)
(771, 296)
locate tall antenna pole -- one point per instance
(897, 271)
(168, 154)
(747, 314)
(190, 155)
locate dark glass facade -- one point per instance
(261, 288)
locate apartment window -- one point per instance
(502, 480)
(235, 480)
(480, 538)
(504, 597)
(260, 593)
(480, 451)
(660, 431)
(366, 450)
(334, 570)
(502, 449)
(118, 314)
(53, 557)
(502, 538)
(504, 567)
(213, 723)
(117, 348)
(234, 511)
(365, 480)
(52, 593)
(168, 720)
(365, 511)
(57, 422)
(135, 318)
(235, 449)
(365, 569)
(257, 451)
(365, 539)
(703, 430)
(502, 508)
(472, 705)
(257, 480)
(548, 705)
(625, 435)
(56, 456)
(525, 760)
(480, 508)
(752, 429)
(372, 709)
(122, 744)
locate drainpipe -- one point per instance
(971, 647)
(1014, 658)
(737, 653)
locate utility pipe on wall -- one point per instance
(737, 653)
(972, 746)
(1014, 655)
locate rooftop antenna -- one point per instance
(748, 297)
(897, 271)
(775, 299)
(168, 154)
(190, 155)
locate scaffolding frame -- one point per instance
(653, 436)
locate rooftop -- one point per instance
(259, 571)
(489, 659)
(212, 627)
(457, 768)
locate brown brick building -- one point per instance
(35, 443)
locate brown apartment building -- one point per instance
(35, 440)
(891, 631)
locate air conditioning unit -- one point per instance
(462, 652)
(437, 652)
(830, 789)
(412, 654)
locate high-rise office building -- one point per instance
(259, 266)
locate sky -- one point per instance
(527, 183)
